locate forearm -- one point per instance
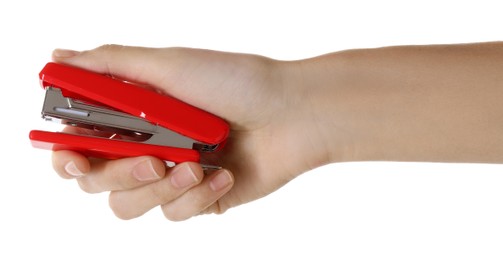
(411, 103)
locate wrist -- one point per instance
(342, 106)
(313, 88)
(324, 82)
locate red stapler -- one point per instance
(129, 120)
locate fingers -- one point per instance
(135, 64)
(178, 202)
(142, 183)
(108, 175)
(198, 199)
(129, 204)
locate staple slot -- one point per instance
(72, 112)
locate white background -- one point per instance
(342, 211)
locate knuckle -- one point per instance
(109, 47)
(199, 203)
(160, 193)
(124, 184)
(87, 186)
(173, 215)
(118, 207)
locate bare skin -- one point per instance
(409, 103)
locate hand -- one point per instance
(273, 135)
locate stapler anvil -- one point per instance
(123, 119)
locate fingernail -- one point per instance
(144, 171)
(222, 180)
(183, 176)
(64, 53)
(72, 169)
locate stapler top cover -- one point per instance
(158, 109)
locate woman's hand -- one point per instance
(273, 135)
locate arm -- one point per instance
(411, 103)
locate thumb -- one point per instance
(135, 64)
(164, 69)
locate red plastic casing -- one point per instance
(158, 109)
